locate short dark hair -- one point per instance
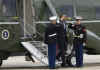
(63, 15)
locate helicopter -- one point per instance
(22, 24)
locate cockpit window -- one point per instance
(88, 9)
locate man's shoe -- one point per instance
(52, 68)
(63, 65)
(58, 58)
(79, 66)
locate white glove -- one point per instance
(58, 21)
(84, 44)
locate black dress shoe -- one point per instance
(52, 68)
(79, 66)
(63, 65)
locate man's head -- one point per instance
(78, 18)
(63, 17)
(53, 19)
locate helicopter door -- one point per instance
(9, 24)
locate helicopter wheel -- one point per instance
(71, 60)
(29, 57)
(1, 61)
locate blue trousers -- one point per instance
(79, 55)
(52, 55)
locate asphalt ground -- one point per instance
(91, 62)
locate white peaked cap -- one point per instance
(53, 18)
(78, 17)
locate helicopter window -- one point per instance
(42, 11)
(96, 3)
(38, 8)
(8, 10)
(19, 8)
(97, 12)
(64, 7)
(88, 9)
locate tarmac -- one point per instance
(91, 62)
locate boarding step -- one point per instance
(35, 52)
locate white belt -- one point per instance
(52, 35)
(80, 36)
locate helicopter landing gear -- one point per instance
(29, 57)
(71, 60)
(1, 61)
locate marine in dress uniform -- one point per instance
(50, 39)
(79, 37)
